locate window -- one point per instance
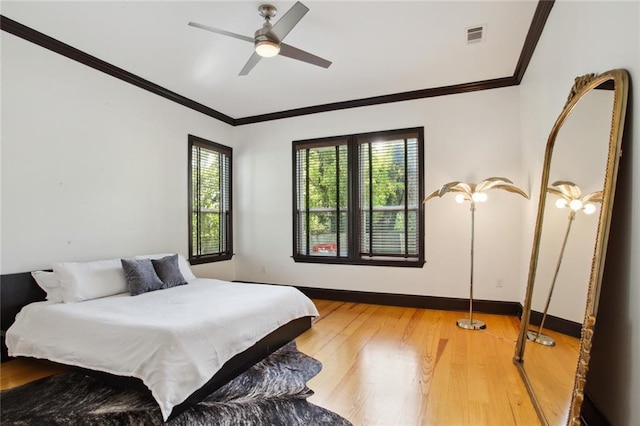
(358, 199)
(210, 218)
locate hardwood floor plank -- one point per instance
(17, 372)
(405, 366)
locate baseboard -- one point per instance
(409, 300)
(414, 301)
(590, 414)
(561, 325)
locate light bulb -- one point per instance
(267, 48)
(479, 197)
(575, 205)
(589, 208)
(561, 203)
(460, 198)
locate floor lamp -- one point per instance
(570, 197)
(474, 193)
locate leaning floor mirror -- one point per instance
(569, 245)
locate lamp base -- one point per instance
(469, 324)
(543, 339)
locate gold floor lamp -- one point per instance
(474, 193)
(571, 198)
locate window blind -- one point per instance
(322, 199)
(210, 220)
(389, 197)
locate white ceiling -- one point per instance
(377, 48)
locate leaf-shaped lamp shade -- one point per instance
(476, 192)
(570, 196)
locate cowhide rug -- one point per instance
(272, 392)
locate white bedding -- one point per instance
(175, 340)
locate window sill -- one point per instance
(209, 259)
(417, 263)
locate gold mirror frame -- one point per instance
(581, 87)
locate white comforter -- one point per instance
(175, 340)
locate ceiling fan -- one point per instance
(268, 39)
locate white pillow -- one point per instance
(183, 264)
(50, 284)
(90, 280)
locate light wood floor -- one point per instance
(398, 366)
(553, 386)
(20, 371)
(401, 366)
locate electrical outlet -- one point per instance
(263, 269)
(500, 283)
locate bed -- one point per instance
(179, 343)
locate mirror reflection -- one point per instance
(568, 240)
(575, 205)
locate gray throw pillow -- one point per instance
(141, 276)
(168, 271)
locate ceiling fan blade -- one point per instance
(253, 60)
(301, 55)
(288, 21)
(223, 32)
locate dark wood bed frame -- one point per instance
(18, 290)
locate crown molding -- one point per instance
(543, 9)
(384, 99)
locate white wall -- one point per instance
(468, 137)
(579, 38)
(92, 167)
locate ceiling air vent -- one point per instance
(475, 34)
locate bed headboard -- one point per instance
(16, 291)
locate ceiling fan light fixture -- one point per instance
(267, 48)
(267, 40)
